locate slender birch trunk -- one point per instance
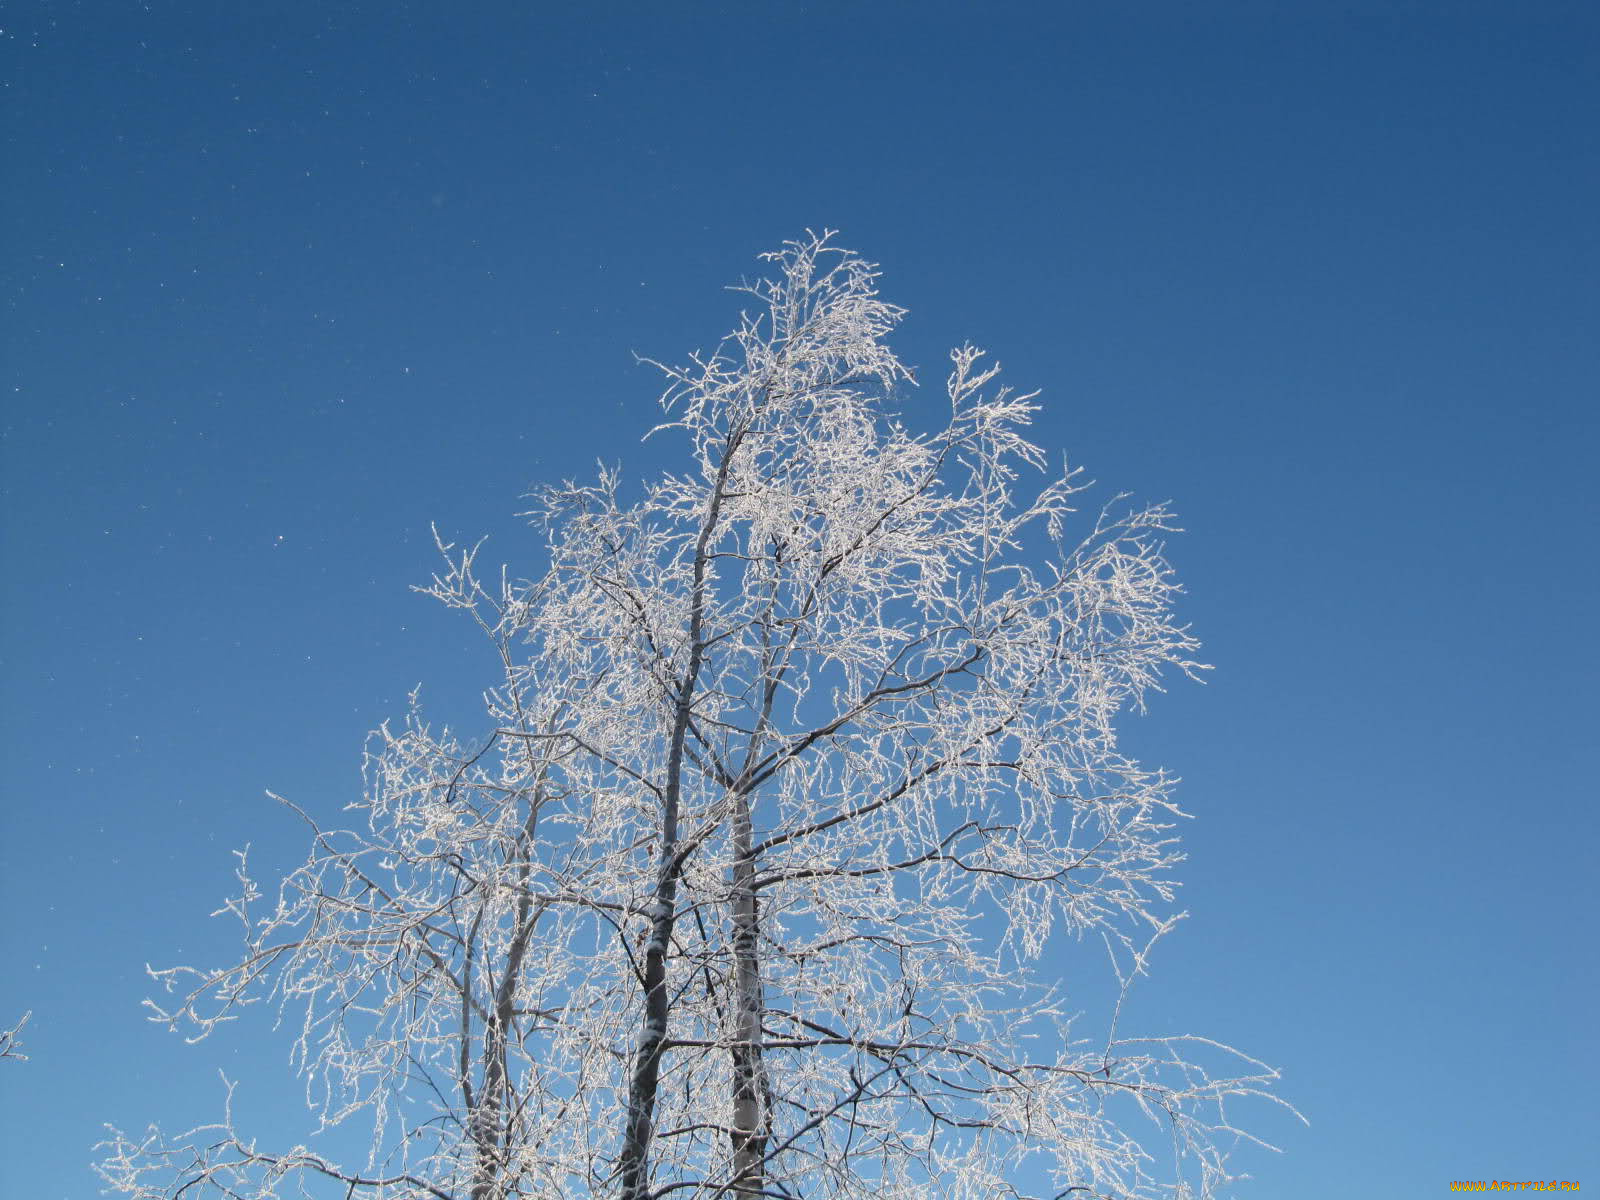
(642, 1085)
(749, 1092)
(488, 1115)
(634, 1166)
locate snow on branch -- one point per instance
(766, 869)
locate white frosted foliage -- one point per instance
(769, 868)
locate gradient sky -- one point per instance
(285, 282)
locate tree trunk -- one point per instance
(749, 1092)
(635, 1159)
(652, 1041)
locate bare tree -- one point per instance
(800, 776)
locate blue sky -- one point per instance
(284, 283)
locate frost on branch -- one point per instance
(11, 1040)
(799, 780)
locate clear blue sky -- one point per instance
(285, 282)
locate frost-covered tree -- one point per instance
(799, 789)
